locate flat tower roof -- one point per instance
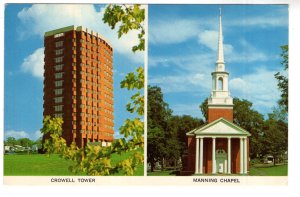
(79, 28)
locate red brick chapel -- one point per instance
(220, 146)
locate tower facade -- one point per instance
(78, 84)
(220, 103)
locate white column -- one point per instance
(241, 156)
(201, 155)
(229, 155)
(213, 155)
(245, 156)
(197, 156)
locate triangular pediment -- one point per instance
(221, 127)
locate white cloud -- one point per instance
(197, 62)
(40, 18)
(191, 73)
(247, 53)
(192, 82)
(260, 87)
(175, 83)
(187, 109)
(175, 31)
(191, 76)
(16, 134)
(34, 63)
(261, 21)
(22, 134)
(37, 135)
(209, 38)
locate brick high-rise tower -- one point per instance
(78, 84)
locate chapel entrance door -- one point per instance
(221, 161)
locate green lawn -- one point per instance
(42, 165)
(281, 170)
(162, 173)
(263, 170)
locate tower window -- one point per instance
(59, 67)
(59, 52)
(220, 83)
(58, 59)
(59, 44)
(58, 108)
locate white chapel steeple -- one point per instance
(220, 55)
(220, 95)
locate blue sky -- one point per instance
(25, 25)
(182, 52)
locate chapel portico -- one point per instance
(221, 147)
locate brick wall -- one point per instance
(214, 114)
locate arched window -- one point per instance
(220, 83)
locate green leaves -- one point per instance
(283, 79)
(95, 159)
(133, 128)
(52, 130)
(134, 80)
(129, 17)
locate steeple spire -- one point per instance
(220, 56)
(220, 99)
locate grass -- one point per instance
(262, 170)
(42, 165)
(280, 170)
(116, 158)
(162, 173)
(35, 164)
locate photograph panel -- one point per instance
(74, 98)
(217, 90)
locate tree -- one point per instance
(279, 113)
(130, 18)
(25, 142)
(10, 141)
(155, 146)
(181, 125)
(96, 160)
(275, 137)
(250, 120)
(158, 115)
(38, 142)
(204, 109)
(283, 79)
(158, 110)
(166, 133)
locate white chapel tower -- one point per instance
(220, 103)
(219, 147)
